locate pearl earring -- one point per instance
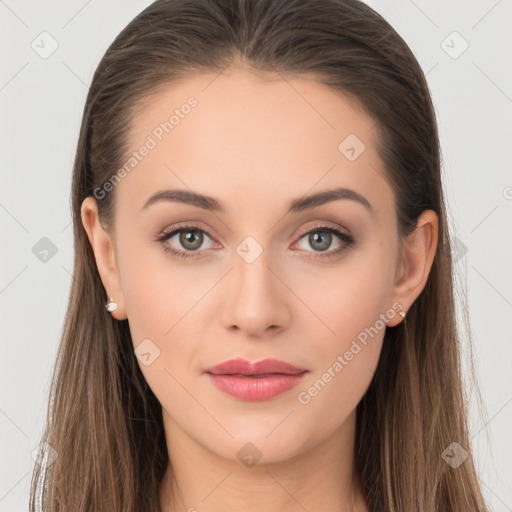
(111, 305)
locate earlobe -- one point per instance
(104, 254)
(417, 256)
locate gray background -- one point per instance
(41, 101)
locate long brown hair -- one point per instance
(104, 422)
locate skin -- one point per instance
(255, 142)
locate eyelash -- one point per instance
(347, 239)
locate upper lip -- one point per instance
(244, 367)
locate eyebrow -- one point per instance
(296, 205)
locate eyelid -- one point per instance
(185, 225)
(317, 227)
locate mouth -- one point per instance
(257, 381)
(258, 368)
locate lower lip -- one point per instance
(254, 389)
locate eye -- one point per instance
(321, 238)
(186, 239)
(190, 237)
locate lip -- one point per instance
(244, 367)
(257, 381)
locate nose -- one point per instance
(256, 300)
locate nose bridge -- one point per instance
(255, 299)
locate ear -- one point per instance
(417, 256)
(104, 254)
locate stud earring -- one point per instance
(111, 305)
(401, 313)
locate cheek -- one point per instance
(349, 301)
(162, 306)
(349, 296)
(330, 397)
(167, 304)
(157, 291)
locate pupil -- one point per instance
(324, 237)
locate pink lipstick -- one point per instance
(257, 381)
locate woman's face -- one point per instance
(258, 270)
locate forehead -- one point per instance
(244, 133)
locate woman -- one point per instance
(262, 312)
